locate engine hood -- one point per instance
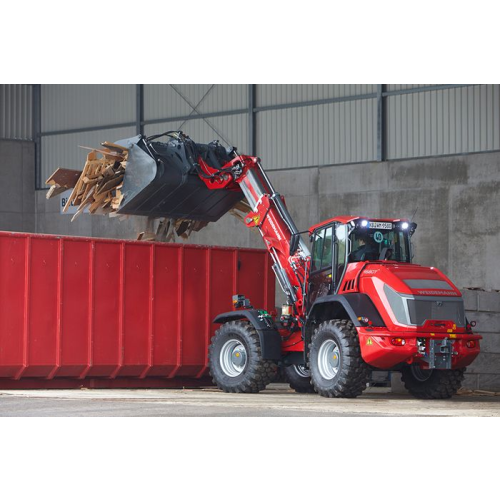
(412, 296)
(412, 279)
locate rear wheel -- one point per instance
(432, 384)
(299, 378)
(337, 368)
(235, 359)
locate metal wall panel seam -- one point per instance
(139, 108)
(180, 312)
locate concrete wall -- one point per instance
(484, 308)
(17, 178)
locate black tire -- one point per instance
(432, 384)
(352, 373)
(255, 374)
(297, 379)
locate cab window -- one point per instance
(323, 249)
(379, 244)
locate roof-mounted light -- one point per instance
(405, 225)
(364, 223)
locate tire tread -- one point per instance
(354, 377)
(443, 384)
(258, 373)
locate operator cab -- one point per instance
(343, 240)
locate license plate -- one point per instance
(380, 225)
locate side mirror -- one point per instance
(294, 243)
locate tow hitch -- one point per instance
(437, 353)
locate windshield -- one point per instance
(379, 244)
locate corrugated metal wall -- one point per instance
(295, 125)
(66, 107)
(460, 120)
(270, 95)
(325, 134)
(16, 112)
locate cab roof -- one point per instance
(345, 219)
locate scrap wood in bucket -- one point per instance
(98, 188)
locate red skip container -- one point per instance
(111, 313)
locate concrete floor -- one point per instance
(277, 401)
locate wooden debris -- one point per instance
(145, 236)
(64, 177)
(62, 180)
(484, 393)
(54, 191)
(476, 392)
(98, 188)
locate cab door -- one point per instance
(320, 277)
(328, 262)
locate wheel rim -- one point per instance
(233, 358)
(420, 374)
(302, 371)
(329, 359)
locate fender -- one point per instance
(270, 339)
(346, 306)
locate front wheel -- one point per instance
(337, 368)
(235, 359)
(432, 384)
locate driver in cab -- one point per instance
(367, 250)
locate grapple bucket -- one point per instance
(161, 181)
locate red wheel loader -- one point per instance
(356, 303)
